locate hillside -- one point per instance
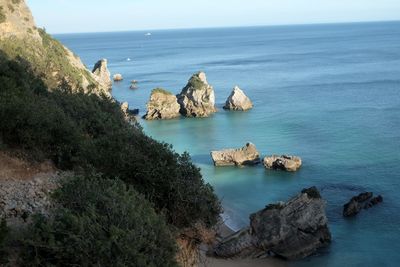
(21, 40)
(128, 200)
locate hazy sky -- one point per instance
(60, 16)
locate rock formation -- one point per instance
(46, 57)
(118, 77)
(197, 98)
(362, 201)
(247, 155)
(162, 105)
(102, 74)
(238, 101)
(129, 114)
(284, 162)
(292, 230)
(134, 85)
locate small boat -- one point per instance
(148, 34)
(128, 59)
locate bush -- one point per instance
(89, 132)
(3, 236)
(2, 15)
(100, 222)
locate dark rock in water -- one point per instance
(375, 201)
(134, 111)
(362, 201)
(292, 230)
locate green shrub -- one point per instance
(11, 8)
(2, 15)
(83, 131)
(161, 90)
(100, 222)
(3, 236)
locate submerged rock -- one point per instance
(197, 98)
(118, 77)
(292, 230)
(162, 105)
(247, 155)
(362, 201)
(134, 84)
(238, 101)
(284, 162)
(102, 74)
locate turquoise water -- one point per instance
(328, 93)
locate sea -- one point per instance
(328, 93)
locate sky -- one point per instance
(70, 16)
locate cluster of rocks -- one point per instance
(362, 201)
(197, 99)
(291, 230)
(249, 155)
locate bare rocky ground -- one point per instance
(25, 187)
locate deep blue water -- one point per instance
(328, 93)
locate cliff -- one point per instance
(21, 40)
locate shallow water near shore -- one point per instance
(327, 93)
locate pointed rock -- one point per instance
(197, 98)
(162, 105)
(238, 101)
(102, 74)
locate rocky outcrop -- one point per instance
(284, 162)
(102, 74)
(292, 230)
(197, 98)
(118, 77)
(16, 19)
(162, 106)
(129, 114)
(362, 201)
(247, 155)
(238, 101)
(58, 67)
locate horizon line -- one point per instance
(227, 27)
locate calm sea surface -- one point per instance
(328, 93)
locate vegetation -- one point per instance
(161, 91)
(11, 8)
(80, 131)
(143, 193)
(196, 83)
(100, 222)
(2, 15)
(3, 236)
(48, 59)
